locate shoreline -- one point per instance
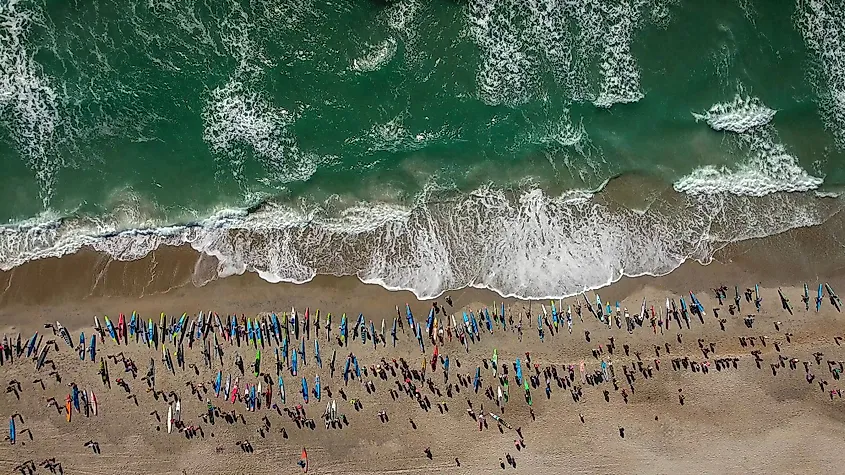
(797, 255)
(750, 406)
(521, 242)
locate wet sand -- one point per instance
(743, 419)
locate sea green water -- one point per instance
(414, 143)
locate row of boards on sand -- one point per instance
(90, 400)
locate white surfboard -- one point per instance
(169, 419)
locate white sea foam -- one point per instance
(403, 17)
(394, 136)
(620, 73)
(523, 243)
(519, 41)
(507, 69)
(239, 121)
(375, 57)
(568, 142)
(822, 23)
(29, 106)
(768, 166)
(740, 115)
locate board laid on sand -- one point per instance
(169, 419)
(303, 461)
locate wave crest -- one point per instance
(768, 168)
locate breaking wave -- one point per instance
(768, 168)
(524, 242)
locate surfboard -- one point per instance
(12, 430)
(30, 347)
(303, 461)
(806, 297)
(93, 403)
(178, 413)
(68, 407)
(85, 405)
(41, 358)
(169, 419)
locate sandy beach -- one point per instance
(411, 237)
(750, 411)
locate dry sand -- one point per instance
(732, 421)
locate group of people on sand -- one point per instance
(441, 378)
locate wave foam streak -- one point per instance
(768, 168)
(29, 107)
(520, 41)
(239, 121)
(822, 23)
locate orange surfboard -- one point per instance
(68, 408)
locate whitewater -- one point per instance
(518, 243)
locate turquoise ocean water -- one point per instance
(536, 147)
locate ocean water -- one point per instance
(534, 147)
